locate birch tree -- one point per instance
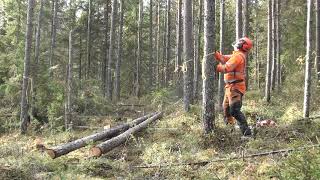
(208, 66)
(28, 43)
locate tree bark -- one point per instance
(118, 140)
(222, 29)
(88, 73)
(36, 59)
(246, 34)
(168, 43)
(28, 43)
(151, 63)
(111, 48)
(188, 56)
(106, 46)
(63, 149)
(318, 40)
(179, 49)
(238, 19)
(269, 55)
(140, 19)
(158, 37)
(68, 105)
(307, 84)
(197, 52)
(119, 59)
(53, 33)
(208, 67)
(274, 46)
(278, 40)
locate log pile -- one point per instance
(63, 149)
(118, 140)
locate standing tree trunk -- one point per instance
(106, 46)
(179, 48)
(197, 53)
(53, 33)
(80, 58)
(119, 59)
(28, 43)
(238, 19)
(307, 84)
(318, 41)
(88, 73)
(139, 47)
(188, 56)
(278, 46)
(208, 66)
(68, 105)
(111, 48)
(168, 40)
(222, 24)
(36, 62)
(269, 55)
(18, 27)
(246, 34)
(158, 37)
(274, 46)
(151, 64)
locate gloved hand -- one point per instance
(218, 56)
(220, 68)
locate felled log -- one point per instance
(63, 149)
(118, 140)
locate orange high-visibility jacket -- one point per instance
(234, 68)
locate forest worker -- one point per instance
(233, 66)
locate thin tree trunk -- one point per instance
(151, 63)
(88, 73)
(307, 85)
(238, 19)
(106, 46)
(278, 45)
(274, 46)
(246, 34)
(179, 49)
(28, 43)
(164, 49)
(318, 40)
(140, 19)
(208, 67)
(119, 59)
(269, 54)
(36, 62)
(168, 43)
(158, 37)
(18, 22)
(111, 48)
(188, 56)
(222, 29)
(68, 106)
(197, 52)
(53, 33)
(80, 58)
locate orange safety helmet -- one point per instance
(244, 44)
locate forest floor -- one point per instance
(172, 142)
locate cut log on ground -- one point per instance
(118, 140)
(63, 149)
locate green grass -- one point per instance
(177, 138)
